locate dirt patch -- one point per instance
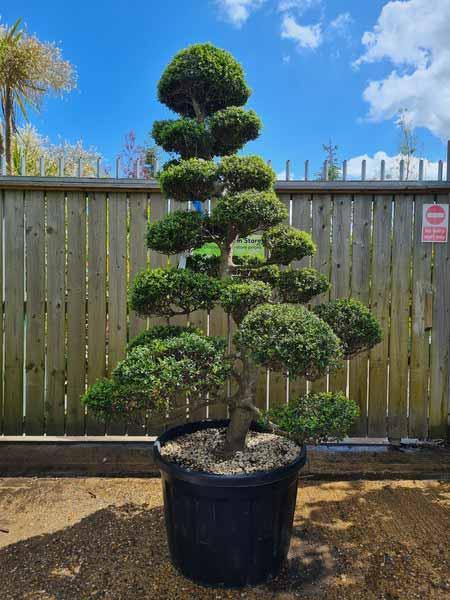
(78, 539)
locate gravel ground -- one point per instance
(264, 452)
(77, 539)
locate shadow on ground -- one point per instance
(351, 540)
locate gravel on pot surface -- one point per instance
(197, 452)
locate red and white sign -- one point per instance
(435, 223)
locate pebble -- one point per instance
(197, 452)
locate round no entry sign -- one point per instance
(435, 223)
(435, 215)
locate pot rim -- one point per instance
(218, 480)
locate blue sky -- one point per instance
(299, 56)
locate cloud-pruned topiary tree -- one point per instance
(275, 329)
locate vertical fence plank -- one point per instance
(117, 288)
(174, 259)
(199, 319)
(35, 315)
(2, 280)
(96, 298)
(361, 251)
(380, 298)
(14, 313)
(340, 270)
(138, 251)
(301, 219)
(440, 336)
(56, 266)
(321, 232)
(278, 384)
(220, 324)
(158, 209)
(400, 315)
(76, 311)
(420, 336)
(138, 261)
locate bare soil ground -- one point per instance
(77, 539)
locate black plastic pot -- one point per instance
(227, 530)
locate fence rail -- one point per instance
(71, 246)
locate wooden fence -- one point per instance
(70, 248)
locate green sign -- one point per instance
(249, 246)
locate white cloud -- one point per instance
(342, 23)
(305, 36)
(373, 167)
(237, 12)
(414, 36)
(299, 6)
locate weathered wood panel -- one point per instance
(158, 209)
(2, 280)
(97, 221)
(220, 324)
(380, 302)
(138, 251)
(76, 311)
(360, 286)
(56, 352)
(14, 312)
(340, 270)
(117, 288)
(420, 332)
(278, 382)
(440, 336)
(405, 282)
(138, 261)
(400, 314)
(35, 312)
(301, 219)
(322, 208)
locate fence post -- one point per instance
(288, 170)
(448, 160)
(306, 170)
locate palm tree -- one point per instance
(29, 69)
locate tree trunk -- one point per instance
(240, 422)
(8, 131)
(242, 415)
